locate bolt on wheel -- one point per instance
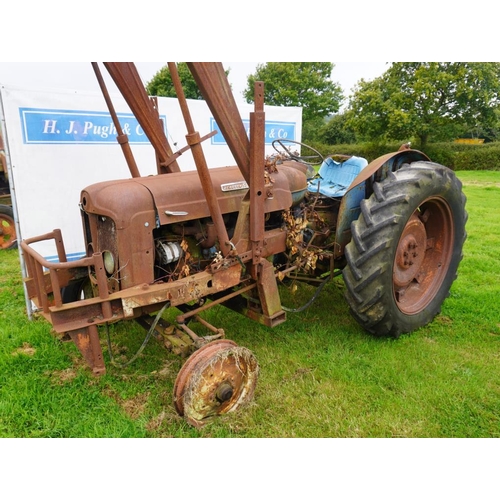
(218, 378)
(405, 249)
(423, 255)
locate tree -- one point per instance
(489, 132)
(305, 84)
(311, 129)
(430, 101)
(337, 131)
(161, 84)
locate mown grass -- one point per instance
(321, 374)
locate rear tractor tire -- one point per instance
(405, 249)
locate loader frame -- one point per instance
(80, 320)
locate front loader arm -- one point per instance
(128, 81)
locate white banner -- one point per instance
(59, 142)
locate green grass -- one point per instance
(321, 374)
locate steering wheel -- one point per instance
(284, 147)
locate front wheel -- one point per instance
(78, 290)
(218, 378)
(405, 249)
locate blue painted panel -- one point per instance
(56, 126)
(273, 130)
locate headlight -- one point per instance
(109, 262)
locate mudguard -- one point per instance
(350, 205)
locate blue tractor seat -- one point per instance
(334, 178)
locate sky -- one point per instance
(80, 76)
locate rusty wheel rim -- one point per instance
(218, 378)
(423, 255)
(7, 231)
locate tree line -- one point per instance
(420, 102)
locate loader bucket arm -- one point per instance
(128, 81)
(215, 89)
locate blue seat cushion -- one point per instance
(334, 178)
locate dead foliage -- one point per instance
(134, 407)
(163, 420)
(60, 377)
(26, 349)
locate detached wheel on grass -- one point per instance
(218, 378)
(405, 249)
(8, 236)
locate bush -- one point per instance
(453, 155)
(466, 156)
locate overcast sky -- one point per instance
(80, 76)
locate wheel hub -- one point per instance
(423, 255)
(410, 252)
(224, 392)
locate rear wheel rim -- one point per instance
(423, 255)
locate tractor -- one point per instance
(229, 235)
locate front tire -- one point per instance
(405, 249)
(77, 290)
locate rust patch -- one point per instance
(83, 341)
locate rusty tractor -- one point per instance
(191, 240)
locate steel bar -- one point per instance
(182, 318)
(121, 137)
(215, 89)
(194, 140)
(257, 185)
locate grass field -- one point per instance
(321, 374)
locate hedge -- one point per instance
(454, 155)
